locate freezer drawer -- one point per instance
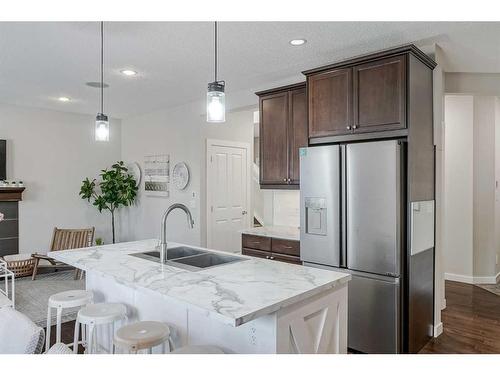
(373, 183)
(373, 312)
(320, 205)
(373, 315)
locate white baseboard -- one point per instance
(472, 279)
(438, 329)
(459, 278)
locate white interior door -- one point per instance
(228, 193)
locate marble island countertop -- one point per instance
(277, 231)
(233, 293)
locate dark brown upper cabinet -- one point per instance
(297, 136)
(364, 97)
(283, 130)
(380, 95)
(330, 103)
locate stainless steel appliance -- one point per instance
(353, 218)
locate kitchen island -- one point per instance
(248, 306)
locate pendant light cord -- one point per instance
(216, 51)
(102, 67)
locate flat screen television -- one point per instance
(3, 159)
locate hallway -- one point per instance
(471, 322)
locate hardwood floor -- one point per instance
(471, 321)
(67, 334)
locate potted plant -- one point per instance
(116, 188)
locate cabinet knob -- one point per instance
(355, 126)
(272, 258)
(348, 127)
(267, 256)
(284, 179)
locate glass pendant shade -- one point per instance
(101, 128)
(216, 102)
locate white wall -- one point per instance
(180, 132)
(484, 187)
(52, 152)
(472, 169)
(458, 185)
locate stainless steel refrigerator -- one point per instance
(351, 218)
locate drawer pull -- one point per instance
(272, 258)
(287, 247)
(267, 256)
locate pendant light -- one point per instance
(101, 120)
(216, 99)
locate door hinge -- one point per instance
(211, 159)
(211, 208)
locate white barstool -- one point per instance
(198, 349)
(93, 316)
(143, 336)
(64, 300)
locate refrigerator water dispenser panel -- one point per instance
(315, 210)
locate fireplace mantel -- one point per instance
(11, 194)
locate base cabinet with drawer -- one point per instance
(271, 248)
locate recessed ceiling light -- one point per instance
(128, 72)
(64, 99)
(297, 42)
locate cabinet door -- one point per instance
(286, 258)
(297, 131)
(330, 103)
(256, 253)
(379, 95)
(273, 136)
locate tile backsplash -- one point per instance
(286, 207)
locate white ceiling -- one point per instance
(41, 61)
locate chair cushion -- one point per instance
(19, 334)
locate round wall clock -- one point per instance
(135, 170)
(180, 175)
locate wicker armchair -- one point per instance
(65, 239)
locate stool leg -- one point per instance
(58, 325)
(49, 321)
(75, 337)
(110, 340)
(90, 336)
(84, 336)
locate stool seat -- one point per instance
(198, 349)
(142, 335)
(102, 313)
(70, 298)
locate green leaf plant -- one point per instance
(115, 189)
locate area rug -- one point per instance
(493, 288)
(32, 296)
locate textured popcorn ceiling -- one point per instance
(42, 61)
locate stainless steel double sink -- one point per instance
(190, 259)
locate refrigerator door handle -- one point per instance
(343, 207)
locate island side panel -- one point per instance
(315, 325)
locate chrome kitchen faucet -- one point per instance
(163, 230)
